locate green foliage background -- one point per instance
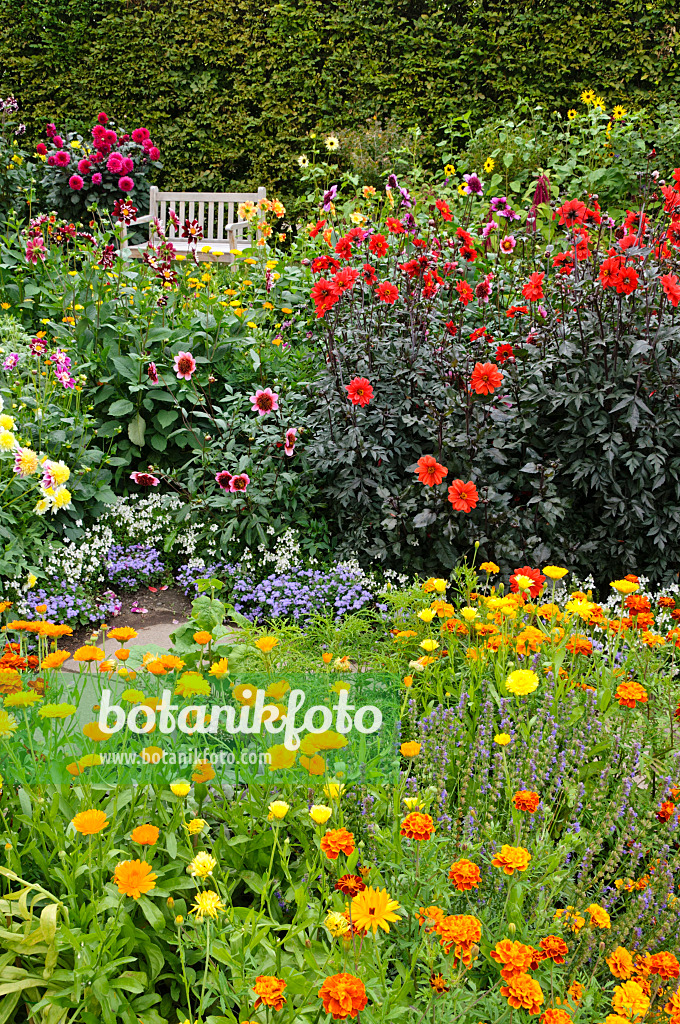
(230, 88)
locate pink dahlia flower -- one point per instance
(115, 163)
(75, 182)
(128, 165)
(62, 158)
(184, 365)
(264, 401)
(224, 478)
(145, 479)
(239, 483)
(291, 438)
(126, 184)
(96, 178)
(84, 166)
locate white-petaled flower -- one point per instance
(303, 161)
(332, 142)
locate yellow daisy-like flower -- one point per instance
(57, 710)
(619, 112)
(8, 725)
(180, 788)
(571, 114)
(461, 189)
(554, 572)
(489, 164)
(587, 96)
(624, 587)
(266, 644)
(337, 924)
(374, 908)
(220, 668)
(207, 904)
(429, 645)
(22, 699)
(202, 865)
(195, 826)
(449, 170)
(7, 422)
(426, 615)
(278, 809)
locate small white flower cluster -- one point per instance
(286, 555)
(152, 520)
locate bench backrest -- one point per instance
(216, 212)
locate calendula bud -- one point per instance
(179, 919)
(171, 902)
(512, 928)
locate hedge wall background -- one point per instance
(230, 88)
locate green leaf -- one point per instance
(136, 430)
(151, 913)
(121, 408)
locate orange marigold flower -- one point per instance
(343, 996)
(89, 653)
(575, 990)
(88, 823)
(511, 859)
(515, 957)
(336, 841)
(554, 948)
(350, 885)
(630, 1001)
(526, 800)
(464, 875)
(579, 644)
(665, 965)
(269, 991)
(620, 963)
(636, 603)
(522, 992)
(430, 472)
(459, 932)
(134, 878)
(628, 692)
(145, 835)
(571, 918)
(666, 811)
(417, 826)
(599, 918)
(551, 1016)
(438, 983)
(10, 681)
(430, 917)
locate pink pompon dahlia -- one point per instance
(75, 182)
(239, 483)
(184, 365)
(264, 401)
(145, 479)
(126, 184)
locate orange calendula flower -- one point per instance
(343, 996)
(522, 992)
(526, 800)
(89, 653)
(134, 878)
(269, 991)
(464, 875)
(122, 634)
(55, 660)
(410, 749)
(417, 826)
(511, 859)
(145, 835)
(88, 823)
(554, 948)
(337, 841)
(459, 932)
(202, 637)
(628, 692)
(203, 772)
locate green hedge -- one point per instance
(230, 88)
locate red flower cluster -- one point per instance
(615, 274)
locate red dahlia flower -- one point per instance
(533, 289)
(465, 293)
(378, 245)
(387, 292)
(627, 281)
(430, 472)
(359, 391)
(463, 497)
(671, 288)
(486, 378)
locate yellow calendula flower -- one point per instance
(8, 725)
(195, 826)
(429, 645)
(469, 614)
(202, 865)
(180, 788)
(278, 809)
(266, 644)
(522, 682)
(319, 813)
(207, 904)
(625, 587)
(426, 615)
(502, 739)
(333, 790)
(337, 924)
(554, 572)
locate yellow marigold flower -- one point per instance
(202, 637)
(522, 682)
(202, 865)
(554, 572)
(625, 587)
(278, 809)
(203, 772)
(266, 644)
(207, 904)
(630, 1001)
(599, 918)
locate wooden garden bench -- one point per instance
(216, 213)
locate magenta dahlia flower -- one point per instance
(239, 483)
(126, 184)
(224, 478)
(75, 182)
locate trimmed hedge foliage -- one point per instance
(230, 88)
